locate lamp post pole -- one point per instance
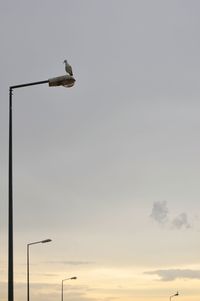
(65, 81)
(10, 206)
(71, 278)
(28, 245)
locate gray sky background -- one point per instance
(108, 169)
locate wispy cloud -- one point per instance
(50, 275)
(172, 274)
(160, 212)
(181, 221)
(70, 262)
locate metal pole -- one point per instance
(10, 207)
(28, 294)
(10, 194)
(30, 84)
(62, 291)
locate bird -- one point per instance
(68, 68)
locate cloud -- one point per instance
(172, 274)
(70, 262)
(50, 275)
(181, 221)
(160, 212)
(160, 215)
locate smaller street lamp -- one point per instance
(28, 245)
(177, 294)
(71, 278)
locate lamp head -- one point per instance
(46, 240)
(65, 81)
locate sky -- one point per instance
(108, 169)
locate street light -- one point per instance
(65, 81)
(177, 294)
(71, 278)
(28, 245)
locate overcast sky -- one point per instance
(108, 169)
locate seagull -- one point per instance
(68, 68)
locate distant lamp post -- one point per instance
(177, 294)
(28, 245)
(71, 278)
(64, 81)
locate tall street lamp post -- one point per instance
(65, 81)
(28, 245)
(71, 278)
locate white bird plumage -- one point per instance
(68, 68)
